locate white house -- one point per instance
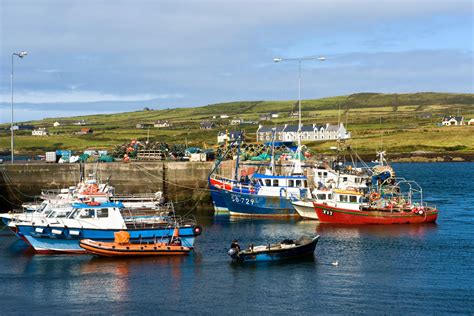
(56, 124)
(41, 131)
(237, 121)
(452, 120)
(274, 114)
(313, 132)
(228, 136)
(470, 122)
(162, 124)
(224, 116)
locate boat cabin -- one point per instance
(289, 186)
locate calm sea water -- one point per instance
(418, 269)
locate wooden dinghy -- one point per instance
(287, 249)
(121, 247)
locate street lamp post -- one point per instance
(299, 60)
(20, 55)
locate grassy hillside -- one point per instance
(398, 117)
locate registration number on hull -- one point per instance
(242, 200)
(326, 212)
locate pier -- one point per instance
(184, 183)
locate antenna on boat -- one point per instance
(272, 163)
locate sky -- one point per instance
(87, 57)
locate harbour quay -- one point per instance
(183, 183)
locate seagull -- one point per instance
(335, 263)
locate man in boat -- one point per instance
(235, 245)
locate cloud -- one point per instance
(222, 50)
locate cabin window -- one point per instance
(275, 182)
(291, 183)
(344, 179)
(102, 213)
(298, 183)
(356, 180)
(261, 182)
(321, 196)
(320, 174)
(268, 182)
(325, 174)
(305, 184)
(353, 199)
(342, 198)
(87, 213)
(329, 196)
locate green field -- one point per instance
(374, 119)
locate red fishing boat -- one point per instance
(388, 205)
(331, 214)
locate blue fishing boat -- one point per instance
(266, 195)
(99, 221)
(287, 249)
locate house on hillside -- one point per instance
(56, 124)
(23, 127)
(236, 121)
(470, 122)
(274, 114)
(265, 117)
(224, 116)
(80, 123)
(265, 133)
(293, 114)
(312, 132)
(222, 137)
(160, 123)
(40, 132)
(207, 125)
(85, 131)
(452, 121)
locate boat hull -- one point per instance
(112, 249)
(253, 205)
(66, 240)
(330, 214)
(217, 199)
(280, 254)
(305, 209)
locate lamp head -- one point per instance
(22, 54)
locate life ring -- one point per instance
(374, 196)
(197, 230)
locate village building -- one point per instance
(56, 124)
(207, 125)
(274, 114)
(265, 117)
(227, 136)
(23, 127)
(237, 121)
(79, 123)
(452, 121)
(470, 122)
(224, 116)
(85, 131)
(160, 123)
(40, 132)
(313, 132)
